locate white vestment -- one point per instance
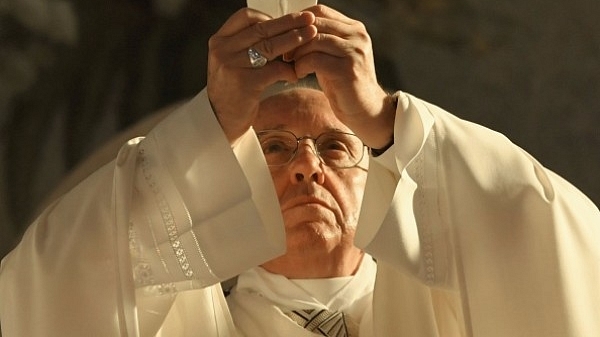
(472, 237)
(260, 301)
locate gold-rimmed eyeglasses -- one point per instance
(334, 148)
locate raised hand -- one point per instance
(341, 55)
(234, 86)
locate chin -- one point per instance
(313, 238)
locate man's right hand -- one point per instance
(233, 85)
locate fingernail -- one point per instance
(288, 57)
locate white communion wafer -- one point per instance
(277, 8)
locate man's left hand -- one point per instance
(341, 56)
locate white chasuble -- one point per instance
(472, 237)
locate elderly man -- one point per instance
(273, 182)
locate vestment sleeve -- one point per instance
(110, 257)
(197, 202)
(458, 208)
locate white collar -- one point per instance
(340, 293)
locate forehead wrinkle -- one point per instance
(277, 127)
(307, 121)
(307, 112)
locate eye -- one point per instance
(275, 145)
(332, 145)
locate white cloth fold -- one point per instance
(473, 237)
(256, 287)
(335, 294)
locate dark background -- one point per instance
(75, 72)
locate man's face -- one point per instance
(320, 204)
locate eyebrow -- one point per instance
(277, 127)
(283, 127)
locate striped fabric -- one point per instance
(323, 322)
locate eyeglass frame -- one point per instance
(315, 147)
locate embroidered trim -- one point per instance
(143, 275)
(142, 270)
(425, 230)
(156, 248)
(168, 220)
(199, 250)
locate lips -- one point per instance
(303, 201)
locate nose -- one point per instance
(306, 165)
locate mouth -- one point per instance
(303, 201)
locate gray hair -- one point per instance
(308, 82)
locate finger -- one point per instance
(260, 78)
(339, 28)
(279, 71)
(337, 38)
(222, 51)
(278, 45)
(269, 48)
(241, 19)
(323, 11)
(270, 38)
(327, 44)
(320, 63)
(272, 28)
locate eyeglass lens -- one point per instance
(336, 149)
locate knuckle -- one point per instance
(247, 15)
(361, 26)
(261, 31)
(320, 37)
(267, 48)
(361, 30)
(320, 8)
(364, 36)
(244, 12)
(298, 35)
(213, 42)
(214, 46)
